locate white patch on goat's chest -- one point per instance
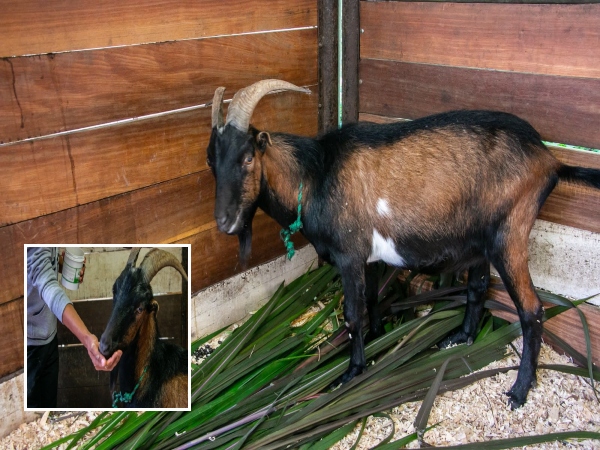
(385, 250)
(383, 208)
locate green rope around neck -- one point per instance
(127, 396)
(293, 228)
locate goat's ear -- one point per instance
(154, 306)
(262, 140)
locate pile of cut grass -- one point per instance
(266, 386)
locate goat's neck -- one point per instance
(142, 350)
(282, 175)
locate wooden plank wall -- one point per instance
(103, 132)
(539, 61)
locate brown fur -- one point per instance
(281, 172)
(145, 344)
(432, 196)
(174, 392)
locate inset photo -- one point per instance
(107, 327)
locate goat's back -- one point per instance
(435, 179)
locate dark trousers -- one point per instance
(42, 375)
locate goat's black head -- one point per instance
(234, 156)
(133, 301)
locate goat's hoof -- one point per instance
(347, 376)
(515, 400)
(460, 337)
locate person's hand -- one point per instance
(99, 361)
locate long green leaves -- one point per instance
(266, 386)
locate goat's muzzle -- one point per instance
(106, 347)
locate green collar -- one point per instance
(127, 396)
(293, 228)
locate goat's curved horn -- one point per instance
(133, 256)
(157, 259)
(246, 99)
(217, 108)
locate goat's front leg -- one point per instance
(372, 296)
(353, 282)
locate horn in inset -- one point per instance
(245, 100)
(133, 256)
(157, 259)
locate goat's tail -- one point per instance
(580, 175)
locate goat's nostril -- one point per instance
(221, 220)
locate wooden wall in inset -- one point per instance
(104, 125)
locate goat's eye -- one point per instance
(248, 159)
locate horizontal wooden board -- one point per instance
(566, 325)
(11, 350)
(215, 255)
(178, 211)
(157, 214)
(547, 39)
(562, 109)
(38, 26)
(66, 171)
(571, 205)
(40, 95)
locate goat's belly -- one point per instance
(384, 249)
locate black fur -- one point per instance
(451, 247)
(167, 360)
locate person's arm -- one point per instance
(73, 322)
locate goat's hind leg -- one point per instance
(477, 285)
(516, 278)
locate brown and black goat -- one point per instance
(152, 373)
(453, 191)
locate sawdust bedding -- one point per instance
(480, 412)
(476, 413)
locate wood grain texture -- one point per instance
(566, 325)
(11, 350)
(38, 26)
(545, 39)
(63, 172)
(156, 214)
(177, 211)
(569, 204)
(562, 109)
(40, 95)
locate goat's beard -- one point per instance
(245, 239)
